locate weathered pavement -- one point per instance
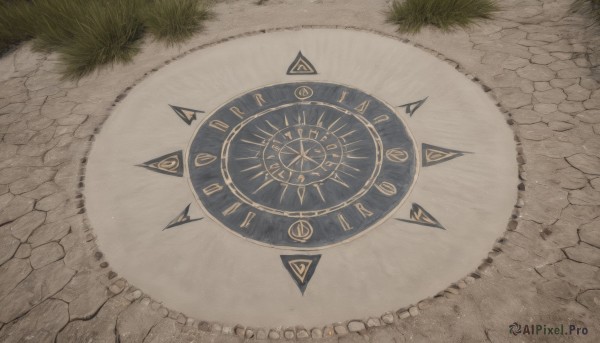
(536, 58)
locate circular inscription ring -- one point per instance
(302, 165)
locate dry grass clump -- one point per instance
(412, 15)
(93, 33)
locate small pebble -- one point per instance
(274, 334)
(373, 322)
(414, 311)
(404, 315)
(356, 326)
(181, 319)
(452, 290)
(115, 289)
(216, 328)
(388, 318)
(340, 330)
(288, 334)
(302, 334)
(316, 333)
(261, 334)
(239, 331)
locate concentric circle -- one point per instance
(319, 152)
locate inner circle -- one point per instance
(308, 153)
(302, 158)
(302, 155)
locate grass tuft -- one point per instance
(412, 15)
(175, 21)
(93, 33)
(109, 34)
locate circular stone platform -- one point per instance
(301, 178)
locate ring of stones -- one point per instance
(302, 165)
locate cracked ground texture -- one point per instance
(536, 58)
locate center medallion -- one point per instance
(302, 165)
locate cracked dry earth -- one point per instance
(536, 58)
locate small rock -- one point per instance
(239, 331)
(302, 334)
(181, 319)
(261, 334)
(356, 326)
(145, 301)
(461, 284)
(388, 318)
(288, 334)
(227, 330)
(414, 311)
(116, 288)
(422, 305)
(316, 333)
(204, 326)
(274, 334)
(452, 290)
(249, 333)
(216, 328)
(328, 331)
(469, 279)
(373, 322)
(340, 330)
(404, 315)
